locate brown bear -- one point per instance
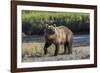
(60, 35)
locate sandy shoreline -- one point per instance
(82, 52)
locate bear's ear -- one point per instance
(46, 25)
(54, 25)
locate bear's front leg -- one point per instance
(45, 47)
(57, 49)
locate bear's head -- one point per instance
(50, 29)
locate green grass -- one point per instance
(41, 15)
(30, 20)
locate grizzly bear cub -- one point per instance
(60, 35)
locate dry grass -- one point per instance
(36, 49)
(34, 52)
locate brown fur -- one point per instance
(57, 36)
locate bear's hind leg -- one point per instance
(65, 48)
(69, 48)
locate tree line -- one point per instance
(33, 22)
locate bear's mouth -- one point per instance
(50, 31)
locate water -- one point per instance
(78, 40)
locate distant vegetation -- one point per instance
(33, 22)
